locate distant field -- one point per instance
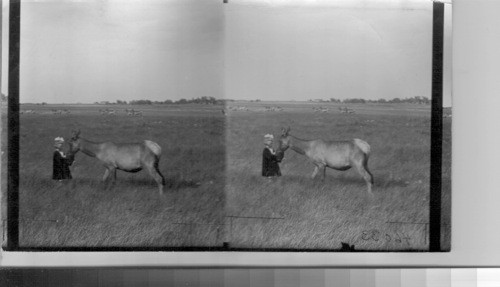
(132, 213)
(297, 212)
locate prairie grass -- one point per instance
(297, 212)
(131, 213)
(214, 190)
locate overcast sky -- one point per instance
(320, 49)
(90, 50)
(96, 50)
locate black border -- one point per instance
(13, 127)
(436, 127)
(13, 152)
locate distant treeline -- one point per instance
(414, 100)
(202, 100)
(214, 101)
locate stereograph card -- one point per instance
(226, 126)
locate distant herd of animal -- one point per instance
(128, 112)
(138, 113)
(103, 112)
(320, 109)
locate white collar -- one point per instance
(270, 149)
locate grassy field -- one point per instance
(296, 212)
(214, 191)
(132, 214)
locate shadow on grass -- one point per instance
(97, 184)
(170, 183)
(319, 181)
(380, 181)
(47, 184)
(176, 183)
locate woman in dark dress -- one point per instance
(270, 158)
(61, 161)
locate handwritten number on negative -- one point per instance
(376, 235)
(388, 237)
(398, 238)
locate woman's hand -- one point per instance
(280, 155)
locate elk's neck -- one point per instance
(90, 148)
(300, 146)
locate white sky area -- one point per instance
(93, 50)
(299, 50)
(107, 50)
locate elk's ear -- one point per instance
(75, 134)
(284, 132)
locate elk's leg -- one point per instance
(154, 171)
(324, 172)
(105, 178)
(113, 172)
(315, 172)
(106, 175)
(367, 176)
(372, 181)
(161, 175)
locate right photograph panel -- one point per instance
(328, 108)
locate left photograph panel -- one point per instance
(121, 114)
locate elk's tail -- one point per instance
(363, 146)
(153, 147)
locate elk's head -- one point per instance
(74, 142)
(284, 142)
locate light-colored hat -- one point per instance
(59, 140)
(268, 137)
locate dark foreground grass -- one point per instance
(131, 213)
(297, 212)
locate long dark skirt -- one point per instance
(61, 166)
(270, 166)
